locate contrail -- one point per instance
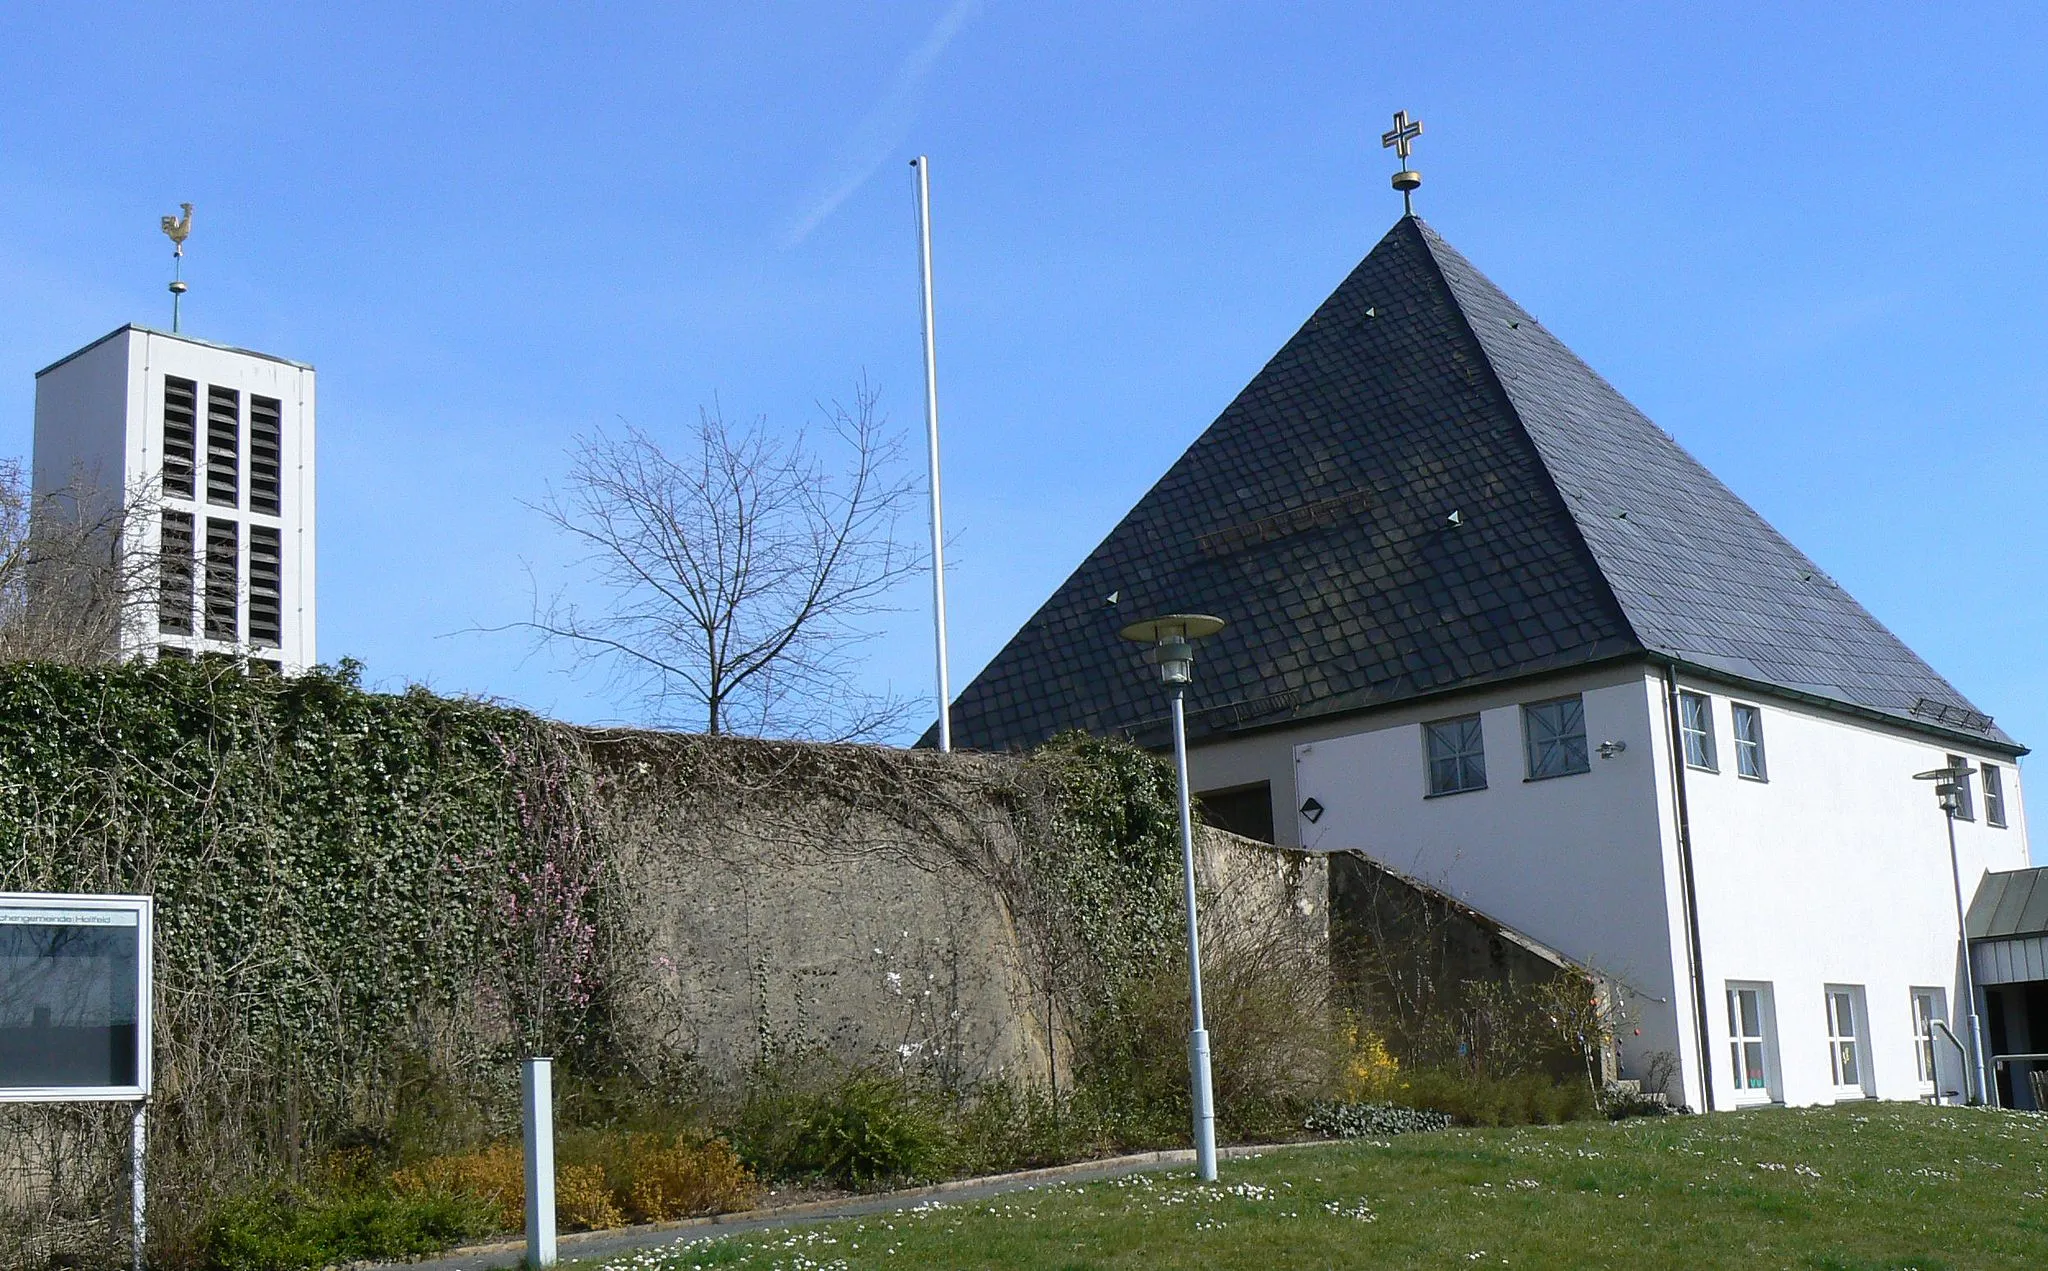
(882, 129)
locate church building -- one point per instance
(1491, 627)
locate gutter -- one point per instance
(1674, 740)
(2011, 750)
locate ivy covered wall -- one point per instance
(369, 905)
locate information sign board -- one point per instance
(74, 997)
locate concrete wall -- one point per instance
(1402, 945)
(819, 915)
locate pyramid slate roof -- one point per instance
(1316, 515)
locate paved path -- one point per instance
(584, 1245)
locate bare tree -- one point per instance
(72, 575)
(739, 573)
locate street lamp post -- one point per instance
(1948, 790)
(1173, 652)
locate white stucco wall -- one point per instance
(81, 420)
(1577, 862)
(1834, 871)
(100, 414)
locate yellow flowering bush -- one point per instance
(602, 1180)
(1370, 1072)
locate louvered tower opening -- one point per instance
(266, 456)
(175, 575)
(223, 446)
(181, 406)
(223, 580)
(266, 592)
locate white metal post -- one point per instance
(1985, 1094)
(539, 1101)
(931, 429)
(138, 1214)
(1198, 1036)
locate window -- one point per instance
(266, 455)
(1966, 809)
(1456, 754)
(1845, 1038)
(1927, 1007)
(1246, 810)
(266, 598)
(223, 446)
(1554, 734)
(1749, 741)
(181, 398)
(1994, 796)
(223, 580)
(1696, 722)
(1749, 1040)
(174, 574)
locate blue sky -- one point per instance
(1808, 242)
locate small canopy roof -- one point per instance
(2010, 904)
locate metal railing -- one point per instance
(1940, 1033)
(1996, 1060)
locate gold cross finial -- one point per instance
(1401, 139)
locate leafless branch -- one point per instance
(74, 573)
(737, 576)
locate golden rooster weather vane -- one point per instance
(177, 228)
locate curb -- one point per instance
(508, 1253)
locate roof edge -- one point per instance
(1975, 741)
(179, 336)
(1906, 723)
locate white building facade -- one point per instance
(212, 449)
(1613, 814)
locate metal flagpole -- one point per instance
(923, 165)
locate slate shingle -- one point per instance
(1314, 516)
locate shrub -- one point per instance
(494, 1176)
(1341, 1120)
(658, 1178)
(289, 1229)
(1368, 1071)
(998, 1126)
(861, 1130)
(1622, 1100)
(601, 1180)
(1474, 1098)
(582, 1201)
(1273, 1048)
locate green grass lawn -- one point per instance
(1864, 1186)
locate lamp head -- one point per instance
(1173, 642)
(1948, 785)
